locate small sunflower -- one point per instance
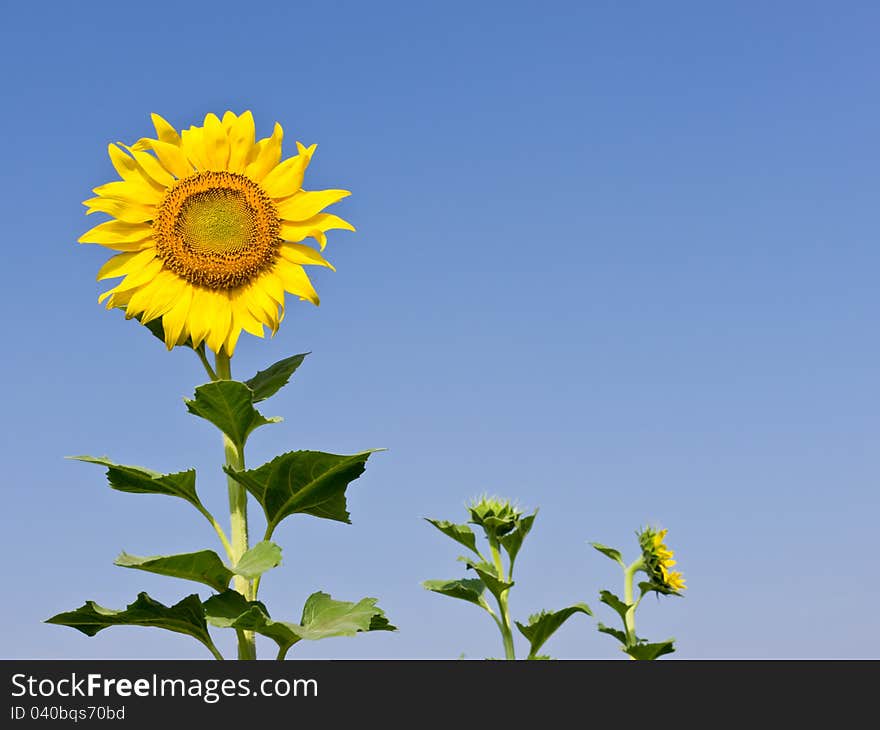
(658, 559)
(209, 225)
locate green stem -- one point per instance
(220, 533)
(237, 517)
(200, 351)
(282, 653)
(629, 620)
(213, 649)
(504, 611)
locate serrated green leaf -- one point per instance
(543, 625)
(470, 590)
(204, 566)
(269, 381)
(649, 652)
(609, 552)
(322, 617)
(609, 599)
(616, 633)
(261, 557)
(460, 533)
(229, 405)
(185, 617)
(138, 480)
(512, 541)
(310, 482)
(486, 571)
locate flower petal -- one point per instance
(266, 155)
(307, 203)
(296, 281)
(216, 143)
(286, 178)
(297, 253)
(241, 142)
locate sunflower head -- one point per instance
(209, 226)
(495, 515)
(658, 561)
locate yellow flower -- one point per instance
(658, 561)
(209, 224)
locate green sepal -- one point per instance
(460, 533)
(138, 480)
(204, 566)
(310, 482)
(649, 586)
(512, 541)
(269, 381)
(186, 617)
(543, 625)
(609, 599)
(467, 589)
(609, 552)
(486, 571)
(229, 405)
(649, 652)
(261, 557)
(616, 633)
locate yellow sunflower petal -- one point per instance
(165, 131)
(220, 320)
(314, 227)
(308, 203)
(296, 281)
(154, 298)
(124, 263)
(193, 147)
(286, 178)
(152, 169)
(241, 142)
(266, 155)
(242, 317)
(130, 191)
(216, 143)
(228, 120)
(116, 232)
(174, 319)
(199, 318)
(297, 253)
(261, 306)
(172, 158)
(138, 278)
(128, 212)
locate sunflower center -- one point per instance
(217, 229)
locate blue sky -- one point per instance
(617, 261)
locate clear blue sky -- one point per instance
(615, 260)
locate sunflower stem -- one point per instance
(237, 516)
(503, 608)
(629, 620)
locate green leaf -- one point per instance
(543, 625)
(512, 541)
(138, 480)
(460, 533)
(487, 574)
(322, 617)
(310, 482)
(185, 617)
(609, 599)
(616, 633)
(229, 405)
(261, 557)
(204, 566)
(649, 652)
(269, 381)
(609, 552)
(466, 589)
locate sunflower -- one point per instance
(209, 225)
(658, 561)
